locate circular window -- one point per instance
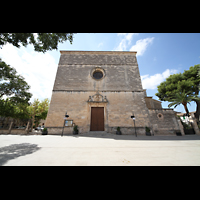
(160, 116)
(97, 75)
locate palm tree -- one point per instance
(183, 98)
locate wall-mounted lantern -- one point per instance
(133, 117)
(66, 116)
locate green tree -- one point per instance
(37, 108)
(9, 109)
(6, 110)
(13, 86)
(42, 42)
(187, 81)
(21, 111)
(182, 98)
(40, 116)
(14, 95)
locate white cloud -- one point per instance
(38, 69)
(127, 37)
(121, 46)
(151, 82)
(141, 45)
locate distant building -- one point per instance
(184, 118)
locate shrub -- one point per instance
(147, 129)
(76, 128)
(44, 130)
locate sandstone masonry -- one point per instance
(116, 88)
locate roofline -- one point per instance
(185, 112)
(153, 99)
(98, 52)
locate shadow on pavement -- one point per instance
(16, 150)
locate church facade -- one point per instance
(100, 91)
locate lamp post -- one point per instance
(66, 116)
(133, 117)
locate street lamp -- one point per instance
(66, 116)
(133, 117)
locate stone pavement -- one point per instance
(99, 149)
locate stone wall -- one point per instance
(78, 77)
(117, 111)
(152, 103)
(13, 131)
(97, 58)
(74, 72)
(163, 122)
(122, 86)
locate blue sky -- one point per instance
(158, 56)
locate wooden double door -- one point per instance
(97, 119)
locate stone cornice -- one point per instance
(100, 52)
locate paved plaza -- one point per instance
(99, 149)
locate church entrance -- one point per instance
(97, 119)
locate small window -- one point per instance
(160, 116)
(97, 75)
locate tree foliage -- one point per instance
(40, 116)
(182, 98)
(42, 42)
(14, 95)
(188, 81)
(38, 108)
(34, 111)
(13, 85)
(7, 109)
(181, 84)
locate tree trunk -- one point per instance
(197, 111)
(33, 119)
(10, 127)
(197, 114)
(185, 106)
(27, 129)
